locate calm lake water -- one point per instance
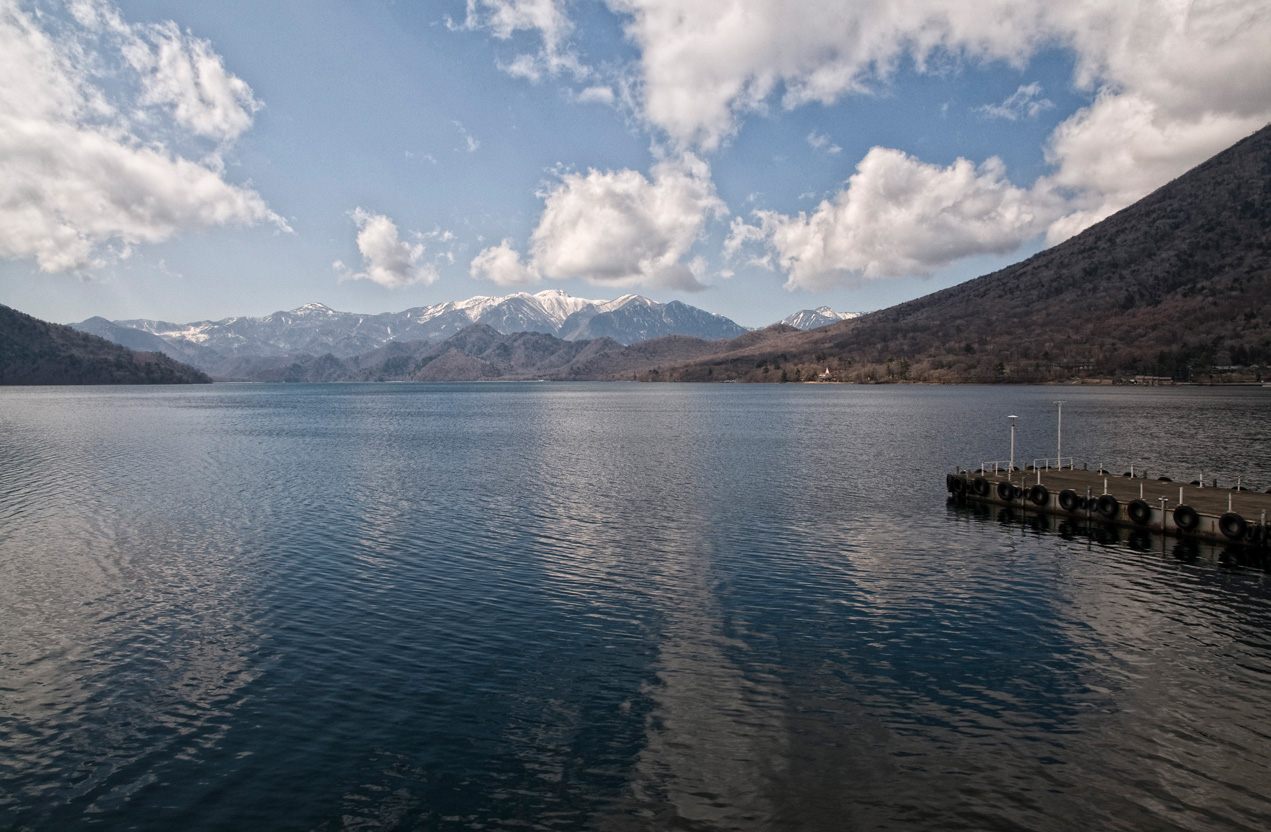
(613, 607)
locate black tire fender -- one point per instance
(1068, 500)
(1140, 512)
(1038, 495)
(980, 486)
(1107, 507)
(1232, 525)
(1186, 518)
(1005, 491)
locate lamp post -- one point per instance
(1059, 441)
(1010, 469)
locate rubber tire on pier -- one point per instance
(1038, 495)
(1186, 518)
(1232, 525)
(1068, 500)
(948, 482)
(1107, 507)
(1140, 512)
(980, 486)
(1005, 491)
(959, 486)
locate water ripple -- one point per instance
(606, 607)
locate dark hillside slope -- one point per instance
(1173, 285)
(37, 352)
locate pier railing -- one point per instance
(1001, 467)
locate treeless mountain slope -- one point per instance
(1173, 285)
(37, 352)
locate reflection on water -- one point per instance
(612, 606)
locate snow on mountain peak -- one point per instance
(314, 309)
(813, 318)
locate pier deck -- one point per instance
(1212, 506)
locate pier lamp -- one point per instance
(1012, 462)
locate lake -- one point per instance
(614, 606)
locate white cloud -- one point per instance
(184, 73)
(820, 141)
(503, 18)
(1025, 102)
(386, 260)
(1123, 147)
(619, 228)
(471, 144)
(596, 95)
(706, 64)
(502, 265)
(1174, 82)
(616, 228)
(900, 216)
(84, 177)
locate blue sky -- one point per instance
(752, 157)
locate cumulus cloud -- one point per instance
(619, 228)
(547, 18)
(900, 216)
(616, 228)
(1175, 82)
(386, 259)
(502, 265)
(83, 174)
(1025, 102)
(706, 64)
(1123, 147)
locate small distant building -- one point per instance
(1152, 381)
(825, 376)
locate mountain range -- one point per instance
(314, 329)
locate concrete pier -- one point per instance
(1210, 513)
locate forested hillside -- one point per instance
(37, 352)
(1177, 284)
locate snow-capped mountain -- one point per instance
(317, 329)
(813, 318)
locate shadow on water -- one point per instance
(1114, 538)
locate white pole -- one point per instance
(1012, 418)
(1059, 439)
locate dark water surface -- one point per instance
(612, 607)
